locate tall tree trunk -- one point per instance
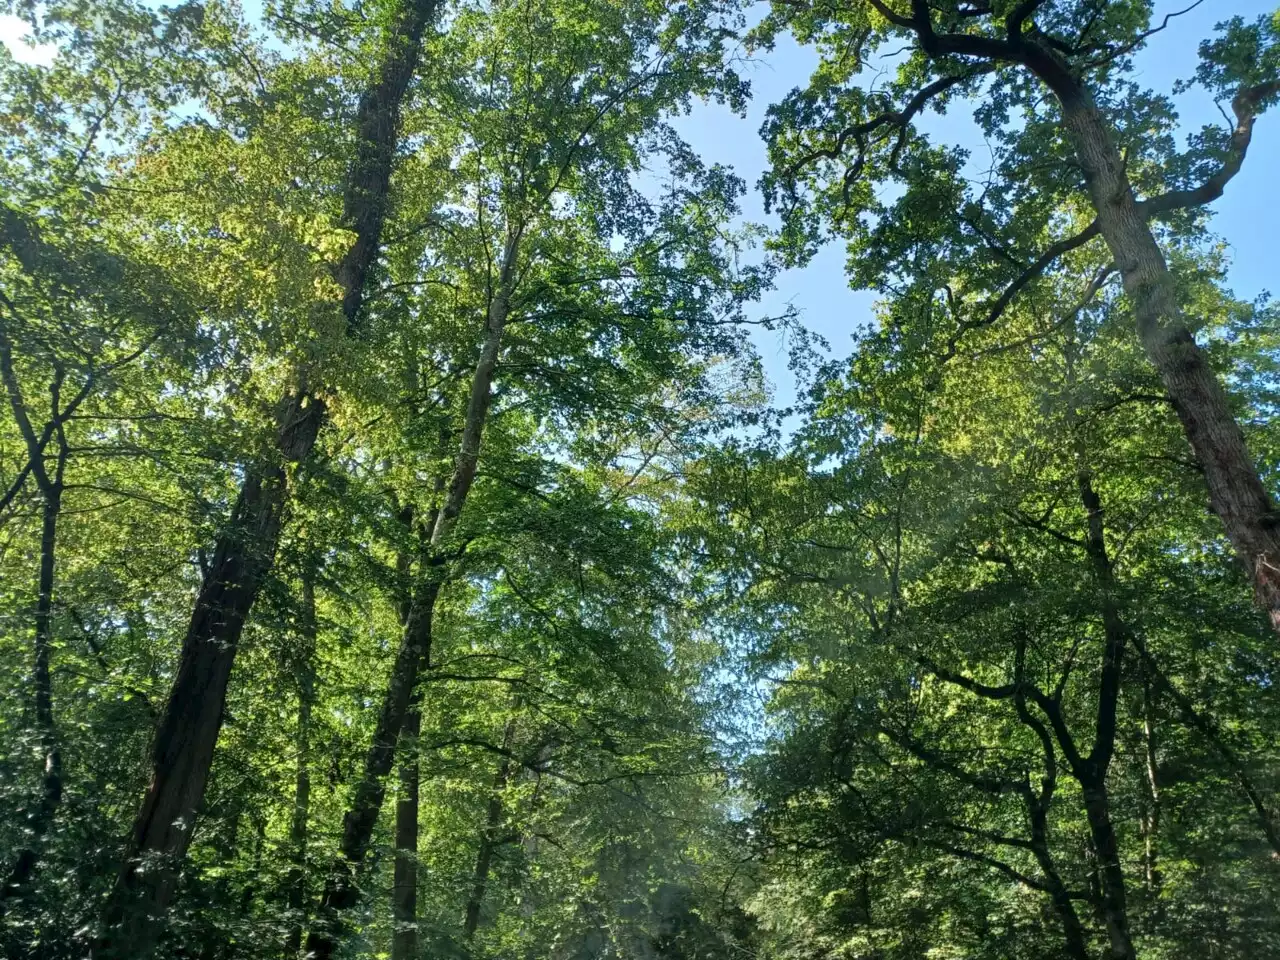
(1151, 821)
(253, 886)
(1097, 805)
(1091, 772)
(297, 882)
(42, 817)
(182, 748)
(489, 837)
(1077, 944)
(182, 751)
(341, 891)
(51, 490)
(404, 893)
(404, 898)
(1236, 491)
(1038, 806)
(1038, 814)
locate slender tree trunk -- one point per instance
(1097, 805)
(1151, 822)
(253, 886)
(1077, 945)
(297, 883)
(182, 751)
(1072, 929)
(1038, 806)
(1266, 816)
(42, 817)
(489, 838)
(298, 829)
(1091, 772)
(404, 894)
(51, 490)
(341, 891)
(484, 863)
(404, 899)
(1236, 491)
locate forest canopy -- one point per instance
(406, 550)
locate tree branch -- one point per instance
(1245, 105)
(982, 858)
(1031, 273)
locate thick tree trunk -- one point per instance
(341, 891)
(489, 839)
(297, 882)
(42, 817)
(182, 751)
(1236, 491)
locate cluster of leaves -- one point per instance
(1016, 700)
(172, 225)
(1001, 686)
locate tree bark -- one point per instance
(1038, 806)
(341, 891)
(1236, 491)
(51, 488)
(1038, 812)
(404, 897)
(182, 750)
(1077, 946)
(1097, 807)
(1266, 816)
(1091, 772)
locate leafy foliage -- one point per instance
(956, 665)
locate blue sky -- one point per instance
(1247, 217)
